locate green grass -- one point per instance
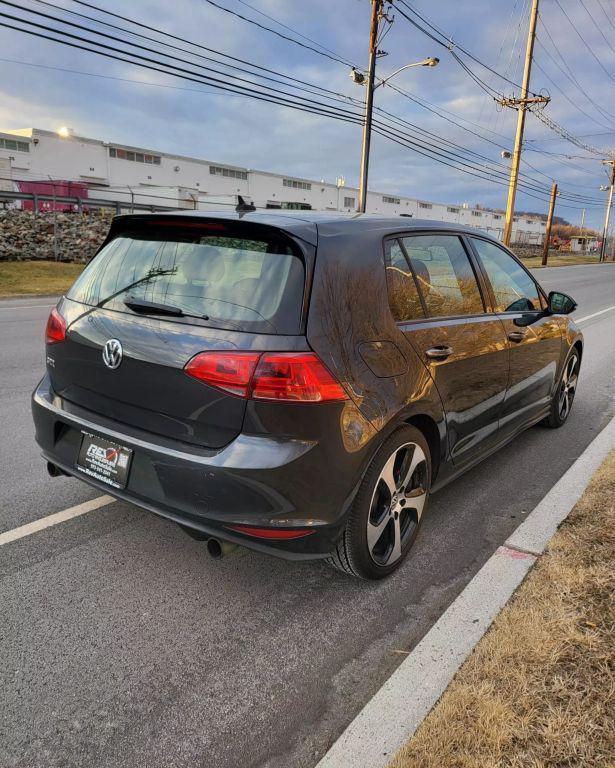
(37, 277)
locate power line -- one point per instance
(608, 18)
(568, 73)
(303, 85)
(334, 57)
(448, 42)
(439, 154)
(294, 31)
(585, 43)
(595, 23)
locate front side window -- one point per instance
(403, 294)
(444, 275)
(514, 290)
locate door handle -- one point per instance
(439, 353)
(517, 335)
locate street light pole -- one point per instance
(609, 204)
(369, 103)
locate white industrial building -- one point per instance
(132, 175)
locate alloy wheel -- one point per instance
(397, 503)
(568, 387)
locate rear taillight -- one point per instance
(56, 327)
(298, 377)
(295, 376)
(230, 371)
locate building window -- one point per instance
(450, 209)
(293, 184)
(496, 217)
(17, 146)
(393, 200)
(349, 202)
(135, 157)
(425, 205)
(229, 173)
(476, 213)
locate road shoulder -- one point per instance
(392, 716)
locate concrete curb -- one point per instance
(391, 717)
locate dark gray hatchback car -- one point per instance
(298, 383)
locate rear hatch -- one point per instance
(168, 288)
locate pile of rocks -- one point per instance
(62, 236)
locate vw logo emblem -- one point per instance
(112, 354)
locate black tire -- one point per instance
(563, 398)
(378, 537)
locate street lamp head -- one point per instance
(357, 77)
(432, 61)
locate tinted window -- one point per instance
(444, 275)
(240, 281)
(403, 295)
(513, 288)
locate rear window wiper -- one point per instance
(146, 307)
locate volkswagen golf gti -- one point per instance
(298, 383)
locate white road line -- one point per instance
(58, 517)
(27, 306)
(595, 314)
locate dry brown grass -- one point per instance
(539, 689)
(560, 259)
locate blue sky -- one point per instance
(161, 112)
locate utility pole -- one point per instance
(520, 104)
(545, 248)
(369, 103)
(605, 232)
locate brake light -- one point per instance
(56, 327)
(272, 533)
(230, 371)
(284, 376)
(299, 377)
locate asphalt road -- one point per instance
(123, 644)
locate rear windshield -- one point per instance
(232, 277)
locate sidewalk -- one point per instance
(539, 688)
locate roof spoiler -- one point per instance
(242, 206)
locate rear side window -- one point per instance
(513, 288)
(232, 277)
(444, 275)
(403, 294)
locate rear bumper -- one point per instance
(256, 480)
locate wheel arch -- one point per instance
(429, 429)
(578, 345)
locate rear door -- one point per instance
(437, 301)
(534, 339)
(224, 285)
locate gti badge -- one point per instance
(112, 354)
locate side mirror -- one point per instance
(560, 303)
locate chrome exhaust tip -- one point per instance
(218, 549)
(54, 471)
